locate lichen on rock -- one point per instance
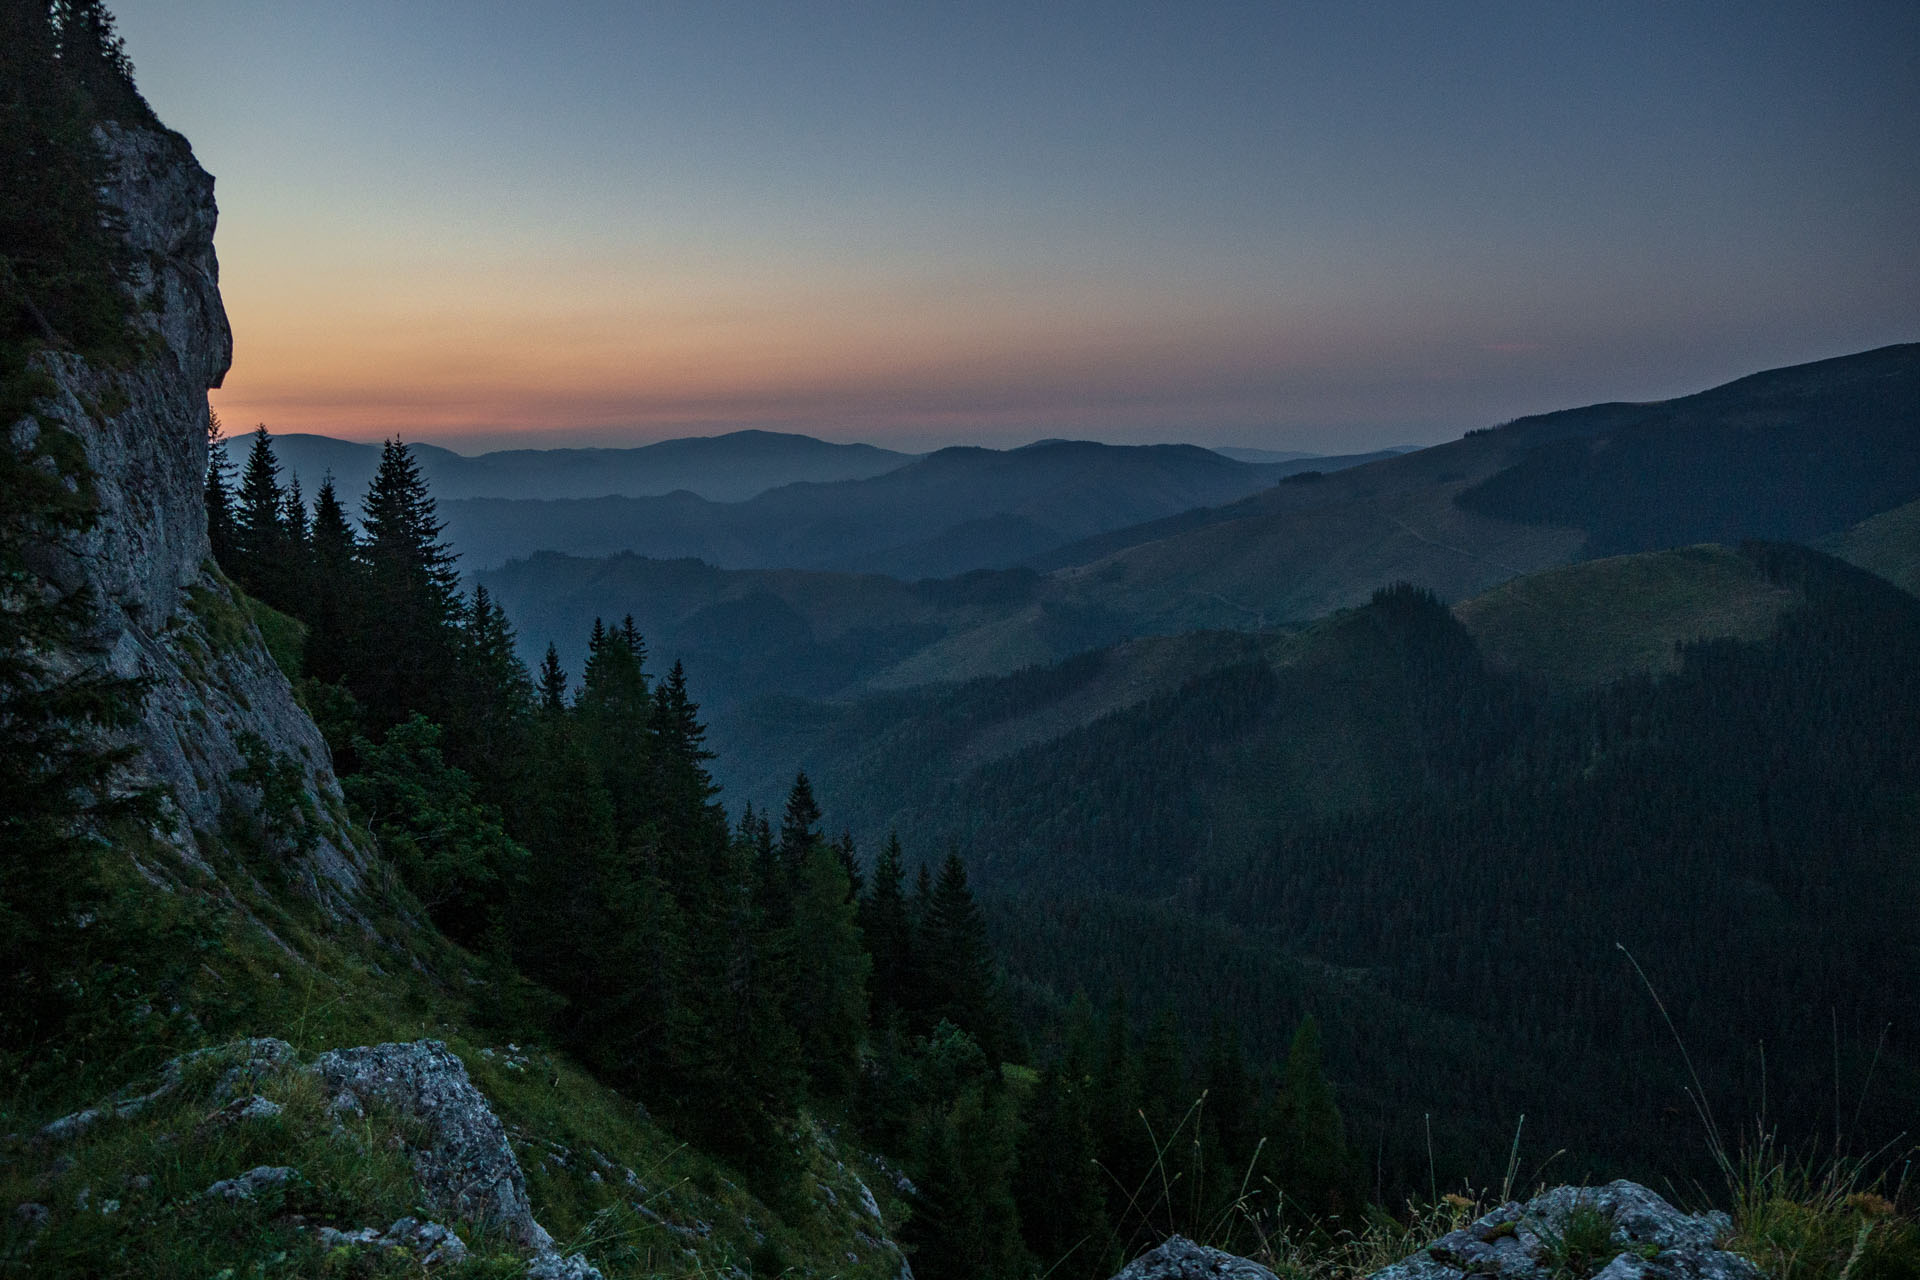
(466, 1168)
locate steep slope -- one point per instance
(164, 614)
(724, 468)
(949, 512)
(1794, 452)
(1700, 754)
(214, 1100)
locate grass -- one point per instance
(1840, 1218)
(124, 1197)
(1845, 1218)
(1592, 623)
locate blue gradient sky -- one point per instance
(1300, 226)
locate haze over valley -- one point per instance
(970, 642)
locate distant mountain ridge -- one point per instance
(952, 511)
(722, 468)
(1290, 553)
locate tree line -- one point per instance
(736, 972)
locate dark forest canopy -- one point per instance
(733, 970)
(1371, 818)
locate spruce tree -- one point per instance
(889, 932)
(293, 513)
(262, 560)
(553, 682)
(1315, 1167)
(828, 968)
(219, 491)
(843, 849)
(407, 660)
(957, 961)
(1058, 1174)
(615, 712)
(336, 590)
(691, 822)
(799, 825)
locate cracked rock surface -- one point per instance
(1649, 1239)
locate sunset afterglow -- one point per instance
(1272, 226)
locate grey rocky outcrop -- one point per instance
(250, 1183)
(143, 429)
(467, 1167)
(1181, 1259)
(252, 1061)
(431, 1244)
(1649, 1239)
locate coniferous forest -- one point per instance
(730, 970)
(1327, 943)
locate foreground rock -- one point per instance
(466, 1168)
(1181, 1259)
(1621, 1231)
(428, 1243)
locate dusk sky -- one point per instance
(1301, 226)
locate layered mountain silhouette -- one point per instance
(952, 511)
(1806, 452)
(723, 468)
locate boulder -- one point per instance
(428, 1243)
(467, 1168)
(1645, 1239)
(1181, 1259)
(248, 1184)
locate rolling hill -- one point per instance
(1887, 544)
(1705, 726)
(723, 468)
(950, 512)
(1452, 519)
(1290, 553)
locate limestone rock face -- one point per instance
(1649, 1239)
(467, 1168)
(1181, 1259)
(162, 611)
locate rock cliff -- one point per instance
(165, 614)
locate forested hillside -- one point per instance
(1374, 798)
(688, 1040)
(337, 939)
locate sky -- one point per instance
(1330, 227)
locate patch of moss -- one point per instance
(286, 637)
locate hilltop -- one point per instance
(724, 468)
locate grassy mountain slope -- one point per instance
(1887, 544)
(249, 954)
(1829, 442)
(1592, 623)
